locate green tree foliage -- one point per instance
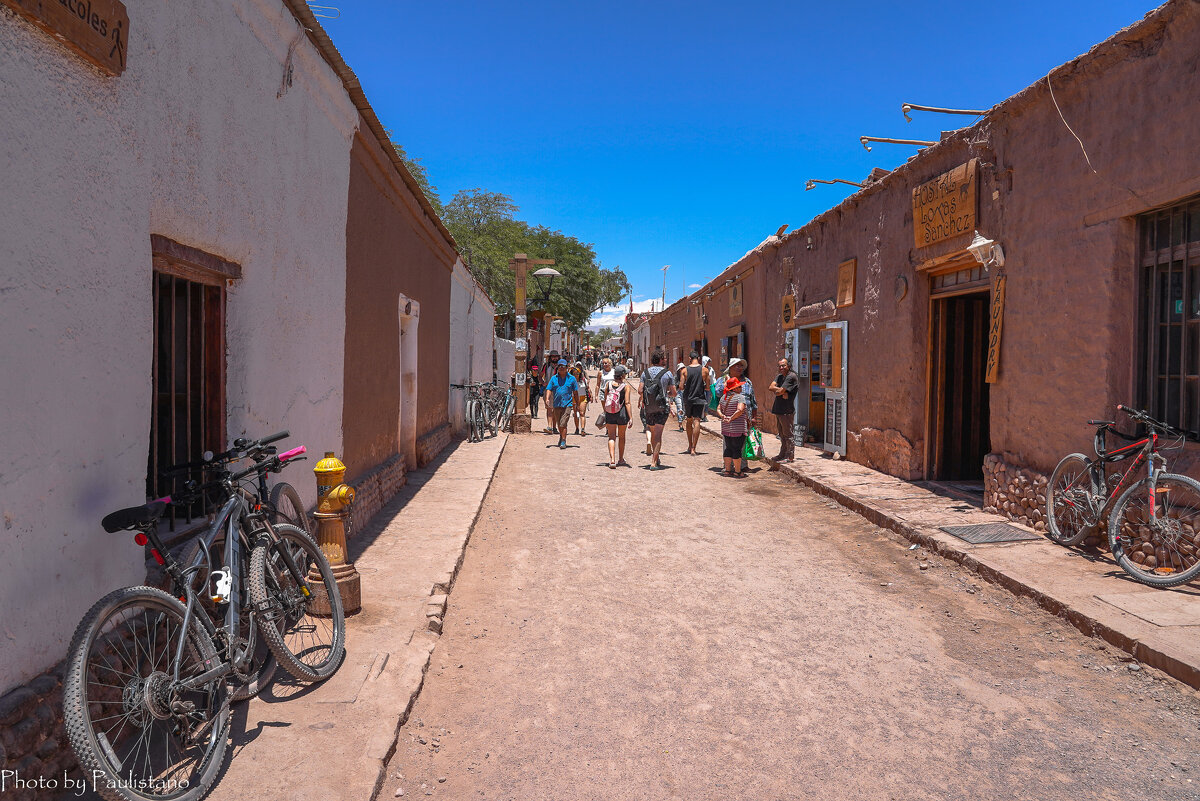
(597, 339)
(488, 234)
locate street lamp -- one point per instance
(812, 182)
(546, 274)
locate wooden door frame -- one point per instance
(932, 377)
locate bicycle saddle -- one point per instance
(134, 516)
(1102, 422)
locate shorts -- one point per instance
(562, 414)
(696, 410)
(734, 447)
(618, 418)
(656, 418)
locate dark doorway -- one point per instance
(960, 415)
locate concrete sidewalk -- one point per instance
(332, 740)
(1158, 627)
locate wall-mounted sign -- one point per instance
(996, 322)
(945, 207)
(735, 301)
(522, 344)
(788, 315)
(96, 29)
(520, 379)
(699, 316)
(847, 273)
(520, 318)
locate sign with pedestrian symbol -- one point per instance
(789, 312)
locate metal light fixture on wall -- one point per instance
(986, 251)
(920, 142)
(811, 183)
(548, 273)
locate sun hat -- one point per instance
(732, 384)
(732, 362)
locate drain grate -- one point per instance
(990, 532)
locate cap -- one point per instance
(563, 363)
(620, 370)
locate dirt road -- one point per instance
(645, 635)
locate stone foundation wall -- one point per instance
(433, 443)
(888, 451)
(33, 740)
(1018, 493)
(376, 488)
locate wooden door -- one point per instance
(960, 414)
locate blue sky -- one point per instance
(682, 133)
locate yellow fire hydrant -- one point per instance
(333, 506)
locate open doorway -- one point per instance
(406, 424)
(959, 413)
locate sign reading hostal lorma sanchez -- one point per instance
(96, 29)
(945, 207)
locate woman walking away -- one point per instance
(616, 415)
(585, 397)
(535, 389)
(734, 427)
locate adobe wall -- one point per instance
(391, 249)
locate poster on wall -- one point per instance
(845, 282)
(735, 301)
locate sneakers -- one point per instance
(562, 444)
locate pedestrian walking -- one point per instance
(562, 394)
(585, 397)
(548, 370)
(535, 389)
(616, 415)
(658, 391)
(734, 412)
(706, 361)
(604, 377)
(694, 382)
(677, 401)
(784, 387)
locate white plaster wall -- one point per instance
(472, 326)
(506, 360)
(191, 143)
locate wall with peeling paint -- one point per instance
(187, 145)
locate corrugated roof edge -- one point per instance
(1099, 55)
(329, 52)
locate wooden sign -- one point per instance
(945, 207)
(788, 314)
(995, 324)
(96, 29)
(699, 316)
(735, 301)
(847, 273)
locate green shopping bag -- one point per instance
(753, 449)
(715, 400)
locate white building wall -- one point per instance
(506, 360)
(472, 335)
(186, 145)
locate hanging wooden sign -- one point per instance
(735, 301)
(96, 29)
(847, 274)
(789, 312)
(945, 207)
(995, 323)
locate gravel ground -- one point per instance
(629, 634)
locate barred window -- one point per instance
(1169, 259)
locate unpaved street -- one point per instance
(645, 635)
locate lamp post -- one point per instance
(519, 264)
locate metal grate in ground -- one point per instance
(985, 533)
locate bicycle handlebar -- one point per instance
(1144, 417)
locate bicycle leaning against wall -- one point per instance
(146, 690)
(1153, 522)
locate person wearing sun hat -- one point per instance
(735, 425)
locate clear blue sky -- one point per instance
(682, 133)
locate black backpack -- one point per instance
(656, 397)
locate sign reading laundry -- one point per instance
(945, 207)
(96, 29)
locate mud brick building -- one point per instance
(892, 319)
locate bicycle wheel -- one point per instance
(136, 733)
(1159, 549)
(472, 433)
(480, 423)
(1070, 506)
(289, 508)
(309, 635)
(259, 673)
(510, 403)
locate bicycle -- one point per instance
(1153, 523)
(500, 407)
(146, 697)
(476, 411)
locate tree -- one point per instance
(598, 338)
(420, 173)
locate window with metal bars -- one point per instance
(1169, 264)
(188, 412)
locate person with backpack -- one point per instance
(616, 415)
(658, 390)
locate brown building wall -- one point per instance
(1070, 333)
(391, 248)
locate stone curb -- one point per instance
(422, 643)
(1156, 655)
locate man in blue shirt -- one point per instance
(562, 392)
